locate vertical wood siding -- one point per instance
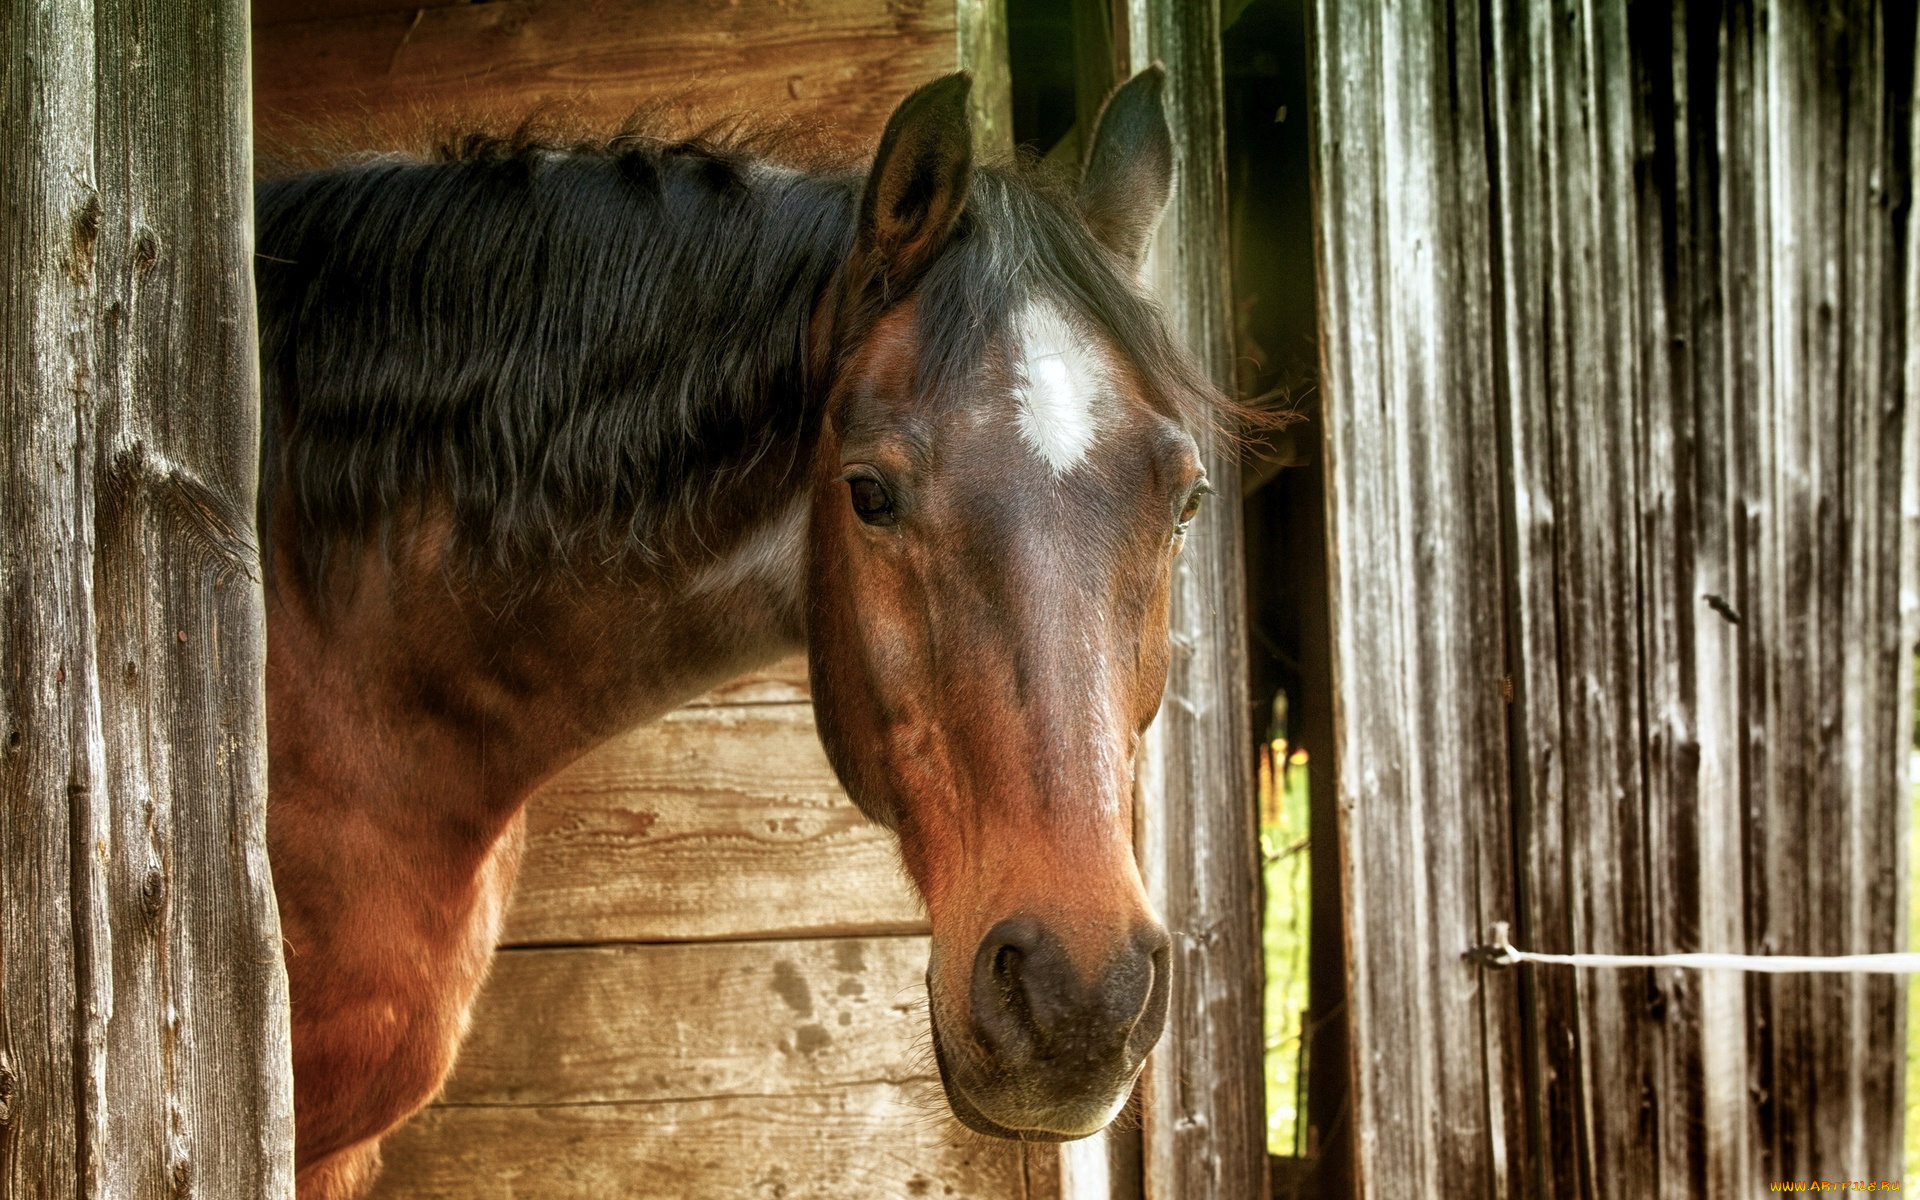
(1615, 304)
(1203, 1129)
(143, 1026)
(1414, 518)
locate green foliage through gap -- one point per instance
(1286, 938)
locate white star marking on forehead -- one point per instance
(1061, 387)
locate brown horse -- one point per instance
(560, 436)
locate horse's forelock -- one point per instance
(1024, 240)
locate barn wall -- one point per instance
(711, 978)
(1616, 318)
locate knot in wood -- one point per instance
(146, 251)
(153, 891)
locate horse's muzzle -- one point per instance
(1051, 1049)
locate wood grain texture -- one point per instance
(45, 577)
(1204, 1128)
(1713, 762)
(779, 1068)
(713, 822)
(626, 1024)
(867, 1142)
(1818, 455)
(1414, 518)
(983, 51)
(144, 1048)
(399, 79)
(1595, 825)
(1602, 555)
(1909, 565)
(1674, 280)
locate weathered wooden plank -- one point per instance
(144, 1046)
(712, 822)
(983, 51)
(398, 79)
(1687, 535)
(1414, 518)
(46, 197)
(1824, 653)
(622, 1024)
(763, 1056)
(1203, 1115)
(1909, 564)
(1693, 651)
(1572, 343)
(875, 1141)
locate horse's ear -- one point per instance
(918, 184)
(1130, 167)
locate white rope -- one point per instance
(1502, 953)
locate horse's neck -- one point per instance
(412, 697)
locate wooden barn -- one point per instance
(1589, 577)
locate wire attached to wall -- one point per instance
(1500, 952)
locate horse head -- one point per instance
(1005, 472)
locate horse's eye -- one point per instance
(870, 500)
(1189, 511)
(1192, 507)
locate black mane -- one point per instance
(569, 347)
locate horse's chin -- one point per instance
(971, 1116)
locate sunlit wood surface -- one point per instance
(378, 73)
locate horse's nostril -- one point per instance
(1053, 1034)
(1030, 1000)
(1006, 965)
(1009, 986)
(1162, 959)
(1150, 1017)
(1014, 959)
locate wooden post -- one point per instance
(144, 1048)
(1616, 314)
(983, 51)
(1203, 1110)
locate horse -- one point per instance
(558, 435)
